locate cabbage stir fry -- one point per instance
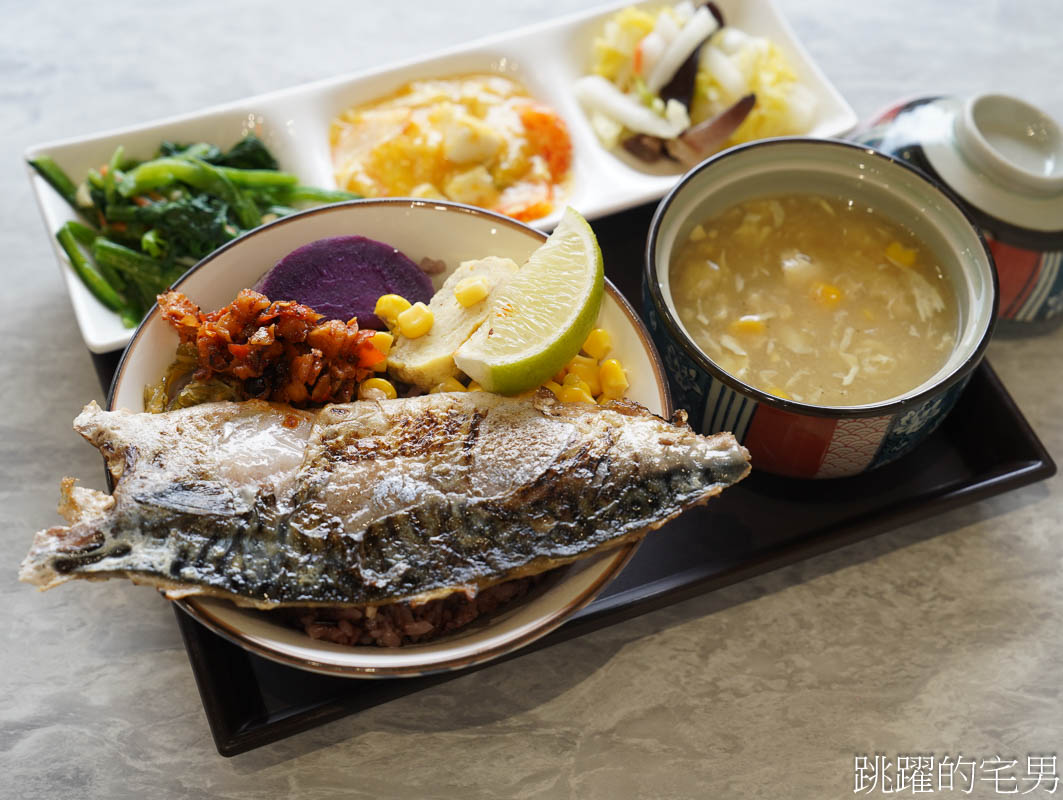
(145, 223)
(677, 83)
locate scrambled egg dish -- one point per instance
(476, 139)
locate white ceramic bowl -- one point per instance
(452, 233)
(546, 58)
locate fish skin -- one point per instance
(375, 501)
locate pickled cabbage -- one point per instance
(732, 64)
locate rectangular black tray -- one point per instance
(984, 447)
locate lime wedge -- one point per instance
(541, 317)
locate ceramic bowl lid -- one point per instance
(1003, 156)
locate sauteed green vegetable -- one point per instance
(145, 223)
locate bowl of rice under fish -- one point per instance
(384, 438)
(824, 301)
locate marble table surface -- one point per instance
(944, 636)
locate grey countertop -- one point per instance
(944, 636)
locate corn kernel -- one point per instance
(900, 255)
(598, 343)
(451, 384)
(826, 294)
(382, 342)
(389, 306)
(560, 376)
(474, 387)
(775, 390)
(376, 389)
(613, 378)
(415, 321)
(575, 381)
(587, 370)
(471, 291)
(554, 387)
(747, 324)
(575, 394)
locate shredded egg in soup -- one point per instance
(816, 299)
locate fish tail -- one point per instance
(57, 552)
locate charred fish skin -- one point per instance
(589, 483)
(194, 491)
(374, 502)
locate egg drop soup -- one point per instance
(816, 299)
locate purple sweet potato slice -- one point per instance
(343, 276)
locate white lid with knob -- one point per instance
(1004, 157)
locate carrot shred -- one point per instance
(368, 355)
(548, 136)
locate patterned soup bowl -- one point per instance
(784, 436)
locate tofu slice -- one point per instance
(429, 359)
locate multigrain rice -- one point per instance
(401, 623)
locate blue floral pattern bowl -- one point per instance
(784, 436)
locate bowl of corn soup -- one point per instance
(822, 300)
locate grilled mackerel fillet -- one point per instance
(372, 502)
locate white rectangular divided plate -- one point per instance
(546, 58)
